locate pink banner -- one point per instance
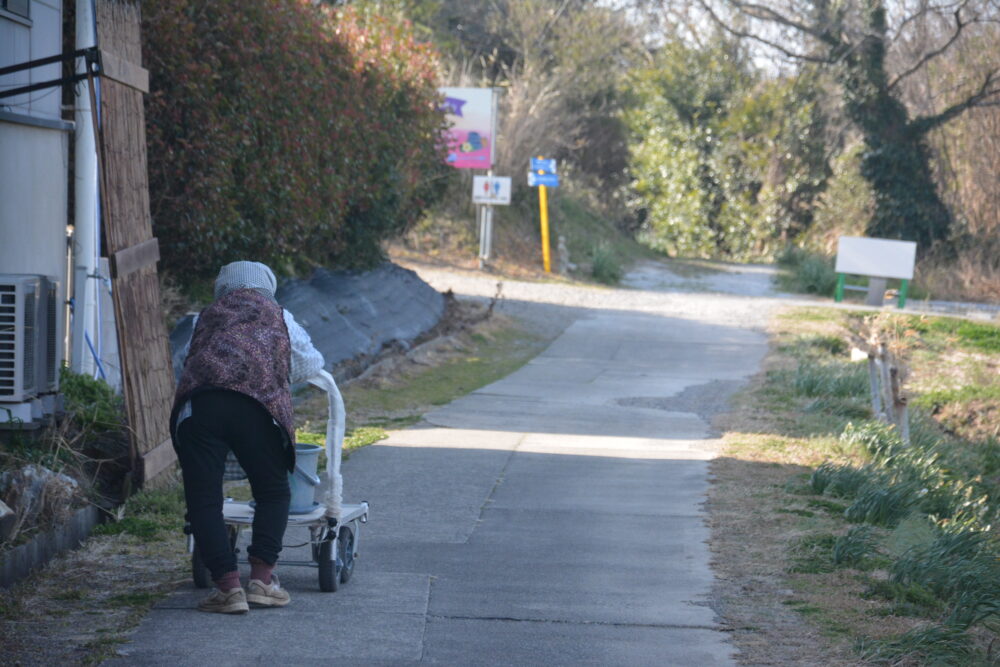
(470, 138)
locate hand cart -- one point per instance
(334, 526)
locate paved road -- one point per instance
(552, 518)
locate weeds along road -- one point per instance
(553, 517)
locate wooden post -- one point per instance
(147, 372)
(873, 385)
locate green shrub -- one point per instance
(856, 547)
(928, 645)
(93, 403)
(830, 380)
(834, 345)
(288, 132)
(808, 272)
(605, 265)
(884, 505)
(843, 481)
(909, 600)
(960, 566)
(880, 441)
(148, 515)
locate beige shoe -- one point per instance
(267, 595)
(231, 602)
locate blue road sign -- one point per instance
(548, 180)
(543, 165)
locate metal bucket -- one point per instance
(304, 480)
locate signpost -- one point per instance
(471, 140)
(491, 190)
(879, 259)
(472, 115)
(488, 191)
(542, 174)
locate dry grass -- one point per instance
(76, 609)
(785, 604)
(974, 275)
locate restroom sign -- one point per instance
(494, 190)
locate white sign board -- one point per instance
(494, 190)
(880, 258)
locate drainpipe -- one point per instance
(87, 230)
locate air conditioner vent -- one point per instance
(50, 372)
(23, 336)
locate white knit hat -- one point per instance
(245, 275)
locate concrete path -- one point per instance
(552, 518)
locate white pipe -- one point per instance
(87, 234)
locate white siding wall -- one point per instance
(34, 161)
(20, 43)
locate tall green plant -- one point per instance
(286, 132)
(725, 162)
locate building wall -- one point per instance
(34, 153)
(24, 40)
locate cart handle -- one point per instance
(335, 426)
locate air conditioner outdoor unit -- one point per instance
(27, 320)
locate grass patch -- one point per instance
(149, 515)
(907, 600)
(829, 506)
(70, 595)
(497, 354)
(592, 236)
(93, 403)
(810, 315)
(979, 336)
(136, 526)
(916, 515)
(934, 400)
(928, 645)
(605, 267)
(813, 554)
(806, 272)
(857, 548)
(363, 436)
(797, 512)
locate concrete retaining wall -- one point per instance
(351, 314)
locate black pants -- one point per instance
(220, 421)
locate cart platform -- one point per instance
(241, 514)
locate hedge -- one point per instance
(284, 132)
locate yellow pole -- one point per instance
(543, 204)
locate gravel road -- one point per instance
(733, 295)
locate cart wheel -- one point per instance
(202, 577)
(345, 554)
(329, 577)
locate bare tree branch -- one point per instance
(987, 95)
(757, 38)
(922, 13)
(930, 55)
(765, 13)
